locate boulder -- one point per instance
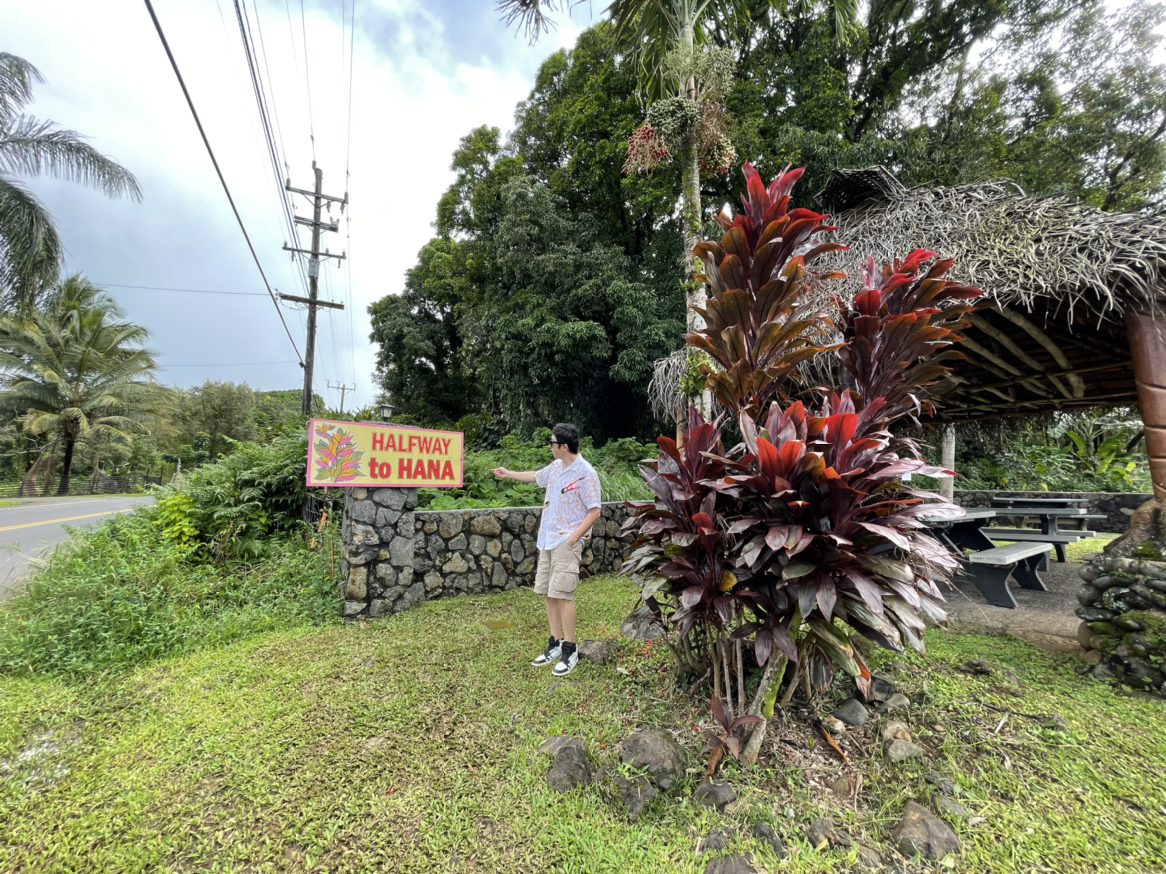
(570, 770)
(734, 864)
(710, 794)
(657, 753)
(852, 713)
(921, 831)
(598, 651)
(764, 833)
(641, 625)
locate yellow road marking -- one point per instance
(69, 519)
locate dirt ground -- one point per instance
(1044, 619)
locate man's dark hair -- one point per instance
(567, 434)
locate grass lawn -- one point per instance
(411, 745)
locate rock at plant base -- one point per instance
(898, 701)
(1092, 657)
(632, 794)
(821, 834)
(1084, 635)
(710, 794)
(764, 833)
(952, 808)
(901, 750)
(977, 666)
(946, 785)
(715, 842)
(834, 726)
(894, 729)
(570, 770)
(921, 831)
(641, 625)
(852, 713)
(734, 864)
(598, 651)
(881, 688)
(869, 859)
(657, 753)
(552, 745)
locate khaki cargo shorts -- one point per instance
(558, 571)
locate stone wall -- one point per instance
(1116, 507)
(1123, 627)
(395, 557)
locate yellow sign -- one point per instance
(370, 455)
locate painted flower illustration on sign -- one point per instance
(337, 458)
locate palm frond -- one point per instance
(16, 80)
(31, 251)
(32, 147)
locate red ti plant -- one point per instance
(803, 535)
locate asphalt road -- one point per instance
(33, 529)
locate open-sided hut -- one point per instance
(1076, 310)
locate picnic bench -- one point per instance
(987, 565)
(992, 568)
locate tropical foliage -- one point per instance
(76, 369)
(1035, 103)
(801, 537)
(30, 249)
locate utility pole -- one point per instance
(318, 200)
(343, 389)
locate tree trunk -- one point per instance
(67, 465)
(947, 460)
(691, 220)
(774, 673)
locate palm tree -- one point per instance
(74, 369)
(30, 249)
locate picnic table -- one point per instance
(1049, 513)
(988, 566)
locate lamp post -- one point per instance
(386, 412)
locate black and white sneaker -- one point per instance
(554, 650)
(568, 658)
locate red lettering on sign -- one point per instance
(447, 471)
(378, 442)
(404, 468)
(372, 468)
(433, 469)
(386, 469)
(391, 445)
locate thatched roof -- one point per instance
(1059, 277)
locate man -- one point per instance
(570, 508)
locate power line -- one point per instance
(222, 180)
(261, 103)
(308, 80)
(187, 290)
(347, 187)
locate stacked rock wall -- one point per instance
(396, 557)
(1123, 628)
(1117, 507)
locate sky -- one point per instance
(423, 75)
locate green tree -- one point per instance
(419, 341)
(30, 249)
(214, 414)
(75, 369)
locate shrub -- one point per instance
(125, 594)
(234, 505)
(802, 537)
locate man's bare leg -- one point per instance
(553, 617)
(566, 614)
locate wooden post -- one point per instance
(947, 460)
(1147, 337)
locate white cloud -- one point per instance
(412, 101)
